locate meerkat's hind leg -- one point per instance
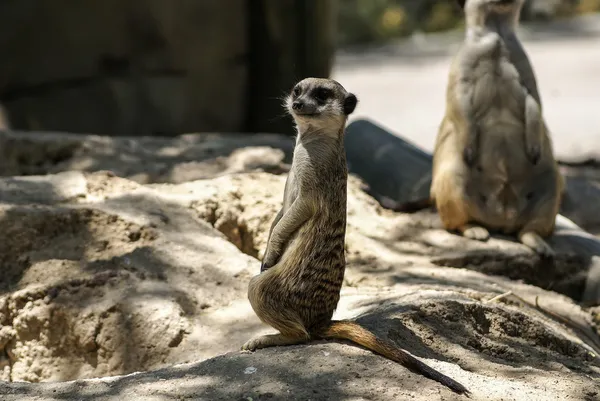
(291, 332)
(533, 129)
(273, 340)
(534, 241)
(475, 232)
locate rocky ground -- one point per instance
(129, 255)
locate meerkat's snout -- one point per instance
(304, 107)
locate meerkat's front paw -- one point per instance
(266, 265)
(534, 153)
(469, 155)
(471, 146)
(267, 261)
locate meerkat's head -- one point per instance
(320, 104)
(480, 12)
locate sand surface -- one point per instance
(145, 269)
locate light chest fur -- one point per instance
(498, 97)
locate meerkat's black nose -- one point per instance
(297, 105)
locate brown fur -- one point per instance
(493, 164)
(303, 269)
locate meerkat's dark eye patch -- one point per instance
(322, 94)
(529, 196)
(296, 91)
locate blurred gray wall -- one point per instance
(158, 67)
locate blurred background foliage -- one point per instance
(158, 67)
(373, 21)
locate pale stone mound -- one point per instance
(105, 275)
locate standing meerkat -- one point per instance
(302, 272)
(493, 163)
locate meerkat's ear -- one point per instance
(350, 103)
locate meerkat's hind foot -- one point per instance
(271, 340)
(477, 233)
(537, 243)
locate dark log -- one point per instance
(391, 166)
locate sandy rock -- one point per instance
(490, 347)
(90, 291)
(146, 159)
(105, 275)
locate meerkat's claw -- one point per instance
(266, 264)
(249, 346)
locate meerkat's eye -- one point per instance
(322, 94)
(529, 196)
(296, 91)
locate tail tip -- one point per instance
(458, 388)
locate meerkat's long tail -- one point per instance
(352, 331)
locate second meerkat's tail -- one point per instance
(352, 331)
(404, 207)
(413, 206)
